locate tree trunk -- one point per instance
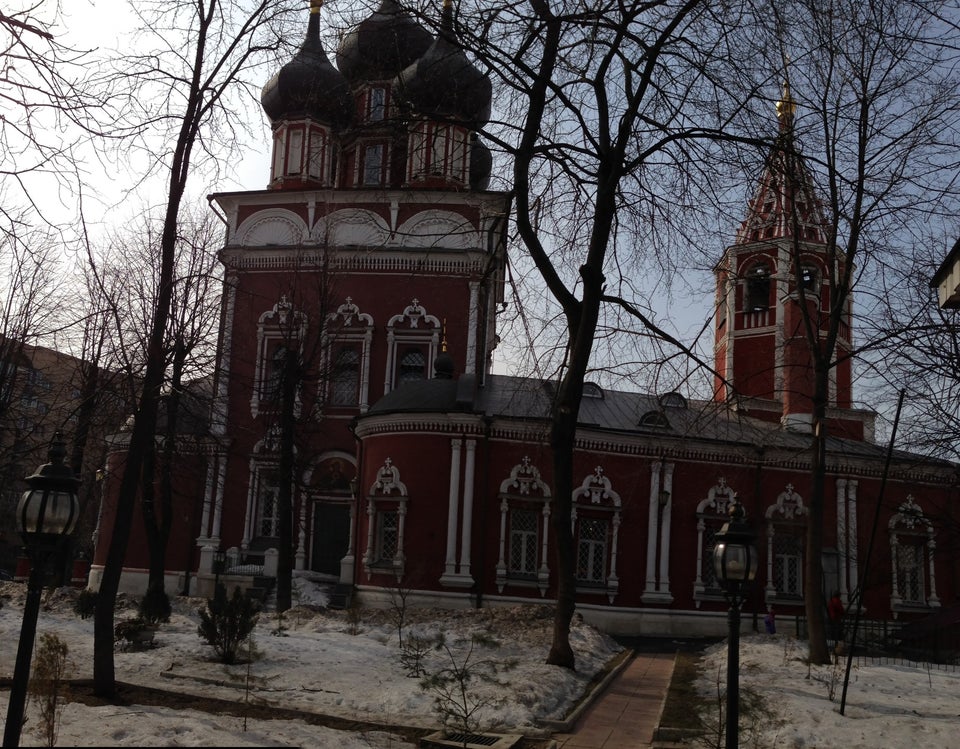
(813, 559)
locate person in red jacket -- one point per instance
(835, 614)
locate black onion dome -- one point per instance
(481, 164)
(443, 83)
(443, 366)
(308, 85)
(382, 45)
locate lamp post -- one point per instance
(219, 562)
(735, 565)
(46, 516)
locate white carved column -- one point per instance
(453, 504)
(467, 532)
(842, 536)
(470, 367)
(653, 514)
(852, 540)
(663, 585)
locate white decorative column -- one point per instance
(467, 530)
(663, 584)
(842, 536)
(470, 367)
(453, 504)
(852, 544)
(653, 515)
(208, 499)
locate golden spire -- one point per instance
(315, 6)
(786, 107)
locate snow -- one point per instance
(319, 661)
(311, 660)
(886, 705)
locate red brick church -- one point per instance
(376, 255)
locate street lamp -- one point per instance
(219, 565)
(46, 516)
(735, 565)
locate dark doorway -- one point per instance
(331, 531)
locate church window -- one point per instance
(524, 543)
(595, 527)
(912, 546)
(345, 377)
(373, 164)
(525, 504)
(438, 149)
(413, 339)
(295, 157)
(347, 338)
(386, 517)
(412, 365)
(757, 298)
(712, 513)
(279, 333)
(267, 510)
(591, 550)
(377, 104)
(786, 522)
(317, 150)
(388, 536)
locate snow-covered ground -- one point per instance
(886, 706)
(315, 662)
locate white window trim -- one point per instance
(788, 510)
(405, 329)
(712, 511)
(348, 326)
(387, 492)
(524, 488)
(595, 495)
(273, 327)
(909, 522)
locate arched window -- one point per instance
(808, 278)
(712, 513)
(757, 296)
(596, 528)
(786, 538)
(525, 503)
(348, 335)
(912, 546)
(412, 365)
(280, 332)
(386, 519)
(413, 339)
(345, 377)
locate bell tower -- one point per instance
(780, 262)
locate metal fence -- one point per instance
(894, 643)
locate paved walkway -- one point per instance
(628, 711)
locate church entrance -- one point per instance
(331, 531)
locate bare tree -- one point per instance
(615, 104)
(193, 65)
(877, 118)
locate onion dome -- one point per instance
(308, 85)
(443, 366)
(481, 164)
(382, 45)
(443, 83)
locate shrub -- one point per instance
(155, 606)
(225, 624)
(48, 685)
(136, 631)
(86, 603)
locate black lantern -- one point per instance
(735, 565)
(735, 553)
(46, 516)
